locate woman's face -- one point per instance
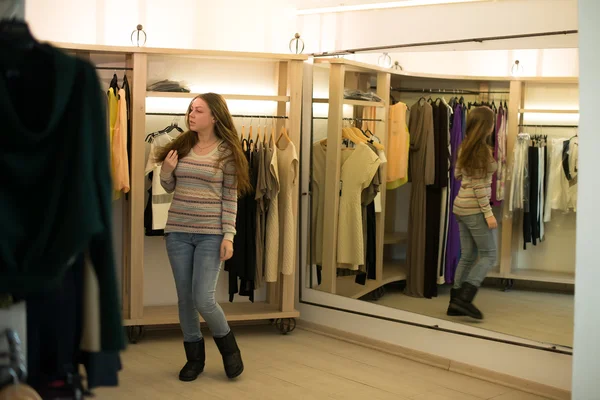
(200, 117)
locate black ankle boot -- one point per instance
(463, 302)
(453, 311)
(232, 358)
(196, 356)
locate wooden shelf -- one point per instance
(392, 272)
(395, 238)
(163, 315)
(542, 276)
(179, 95)
(234, 55)
(534, 111)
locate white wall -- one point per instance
(443, 22)
(260, 25)
(586, 361)
(535, 62)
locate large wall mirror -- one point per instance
(380, 227)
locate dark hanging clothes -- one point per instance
(371, 258)
(127, 90)
(434, 198)
(64, 159)
(528, 206)
(242, 265)
(54, 331)
(421, 174)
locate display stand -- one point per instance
(355, 75)
(279, 305)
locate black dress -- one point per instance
(434, 198)
(242, 265)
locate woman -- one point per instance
(206, 169)
(476, 222)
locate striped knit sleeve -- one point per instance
(230, 200)
(481, 188)
(167, 181)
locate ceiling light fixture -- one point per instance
(385, 5)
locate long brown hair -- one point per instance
(224, 129)
(475, 153)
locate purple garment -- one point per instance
(453, 242)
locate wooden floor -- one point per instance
(301, 365)
(541, 316)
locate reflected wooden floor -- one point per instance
(534, 315)
(301, 366)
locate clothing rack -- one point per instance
(447, 91)
(443, 42)
(547, 126)
(233, 115)
(115, 68)
(354, 119)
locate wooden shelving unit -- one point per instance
(349, 74)
(288, 80)
(249, 97)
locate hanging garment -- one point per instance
(44, 242)
(501, 157)
(272, 238)
(369, 197)
(519, 174)
(127, 90)
(530, 226)
(161, 199)
(561, 194)
(496, 142)
(421, 173)
(318, 202)
(434, 198)
(357, 171)
(445, 200)
(242, 265)
(113, 109)
(397, 147)
(119, 149)
(261, 215)
(540, 210)
(453, 242)
(288, 180)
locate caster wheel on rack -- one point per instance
(378, 293)
(508, 284)
(135, 333)
(285, 325)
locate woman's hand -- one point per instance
(226, 249)
(491, 222)
(170, 162)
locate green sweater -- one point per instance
(55, 201)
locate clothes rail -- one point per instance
(548, 126)
(353, 119)
(443, 42)
(447, 91)
(233, 115)
(115, 68)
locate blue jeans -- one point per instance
(195, 261)
(475, 239)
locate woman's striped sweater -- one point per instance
(205, 194)
(475, 192)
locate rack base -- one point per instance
(166, 315)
